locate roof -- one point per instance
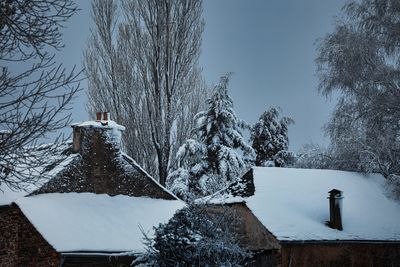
(73, 222)
(60, 170)
(131, 179)
(58, 156)
(150, 178)
(300, 215)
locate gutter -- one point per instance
(100, 253)
(88, 254)
(316, 242)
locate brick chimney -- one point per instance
(335, 209)
(99, 144)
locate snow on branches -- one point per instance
(198, 235)
(269, 138)
(217, 154)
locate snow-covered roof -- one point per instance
(133, 162)
(96, 222)
(109, 124)
(53, 165)
(293, 205)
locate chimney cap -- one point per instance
(335, 192)
(103, 121)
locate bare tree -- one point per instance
(34, 90)
(360, 61)
(142, 66)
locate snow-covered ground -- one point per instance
(96, 222)
(293, 205)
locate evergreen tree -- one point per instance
(218, 154)
(270, 140)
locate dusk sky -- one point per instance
(270, 47)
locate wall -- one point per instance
(20, 242)
(102, 168)
(341, 254)
(252, 235)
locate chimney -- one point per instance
(98, 116)
(99, 144)
(105, 116)
(100, 133)
(335, 209)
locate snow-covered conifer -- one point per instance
(218, 154)
(270, 141)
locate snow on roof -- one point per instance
(96, 222)
(293, 205)
(134, 163)
(109, 124)
(8, 195)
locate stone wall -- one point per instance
(103, 169)
(124, 179)
(20, 242)
(340, 254)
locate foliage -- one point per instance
(270, 140)
(313, 156)
(142, 66)
(218, 154)
(35, 91)
(360, 61)
(197, 235)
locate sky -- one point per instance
(269, 45)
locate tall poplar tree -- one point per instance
(142, 66)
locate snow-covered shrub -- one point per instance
(197, 235)
(270, 140)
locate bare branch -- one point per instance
(35, 101)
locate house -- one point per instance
(91, 208)
(315, 217)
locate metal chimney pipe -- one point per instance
(335, 209)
